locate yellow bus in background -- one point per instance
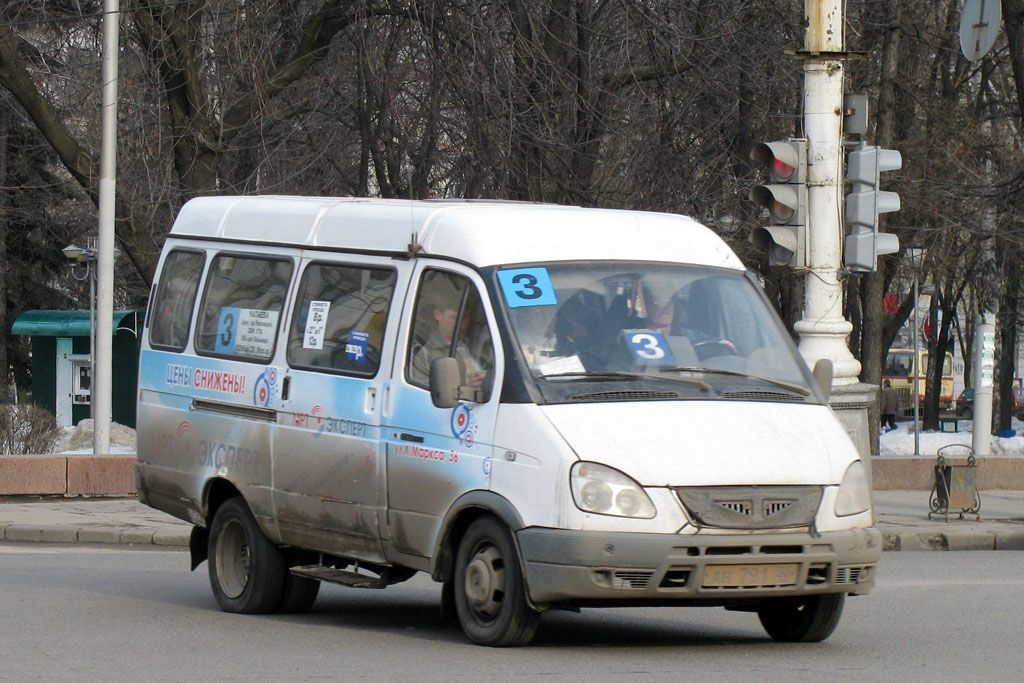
(899, 369)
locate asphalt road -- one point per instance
(91, 614)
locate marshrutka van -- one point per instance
(542, 407)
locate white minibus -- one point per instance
(542, 407)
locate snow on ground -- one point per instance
(77, 440)
(900, 443)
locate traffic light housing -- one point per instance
(865, 202)
(785, 197)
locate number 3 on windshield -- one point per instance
(649, 346)
(527, 287)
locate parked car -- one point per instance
(965, 403)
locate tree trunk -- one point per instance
(1013, 21)
(1007, 338)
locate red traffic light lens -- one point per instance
(782, 170)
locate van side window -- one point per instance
(450, 321)
(242, 305)
(339, 319)
(171, 314)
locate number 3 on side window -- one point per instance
(527, 287)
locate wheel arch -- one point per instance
(216, 491)
(467, 508)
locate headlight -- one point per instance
(599, 488)
(854, 494)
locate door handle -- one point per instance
(410, 437)
(286, 386)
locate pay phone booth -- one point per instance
(61, 366)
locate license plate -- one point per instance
(746, 575)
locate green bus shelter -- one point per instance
(61, 370)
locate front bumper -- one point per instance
(564, 566)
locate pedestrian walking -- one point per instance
(889, 403)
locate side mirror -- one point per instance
(444, 382)
(822, 375)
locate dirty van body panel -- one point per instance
(426, 477)
(189, 435)
(328, 467)
(329, 475)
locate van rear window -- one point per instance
(175, 298)
(242, 306)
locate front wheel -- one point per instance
(247, 572)
(805, 619)
(490, 594)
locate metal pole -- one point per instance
(823, 330)
(916, 365)
(102, 378)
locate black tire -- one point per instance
(247, 572)
(299, 593)
(490, 594)
(806, 619)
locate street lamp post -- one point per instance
(916, 257)
(83, 267)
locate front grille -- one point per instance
(763, 396)
(751, 507)
(627, 396)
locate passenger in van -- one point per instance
(438, 344)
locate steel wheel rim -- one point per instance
(233, 559)
(484, 582)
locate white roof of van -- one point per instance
(479, 232)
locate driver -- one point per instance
(439, 344)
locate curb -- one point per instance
(961, 540)
(171, 539)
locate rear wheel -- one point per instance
(247, 572)
(299, 593)
(490, 594)
(804, 619)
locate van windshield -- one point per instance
(706, 328)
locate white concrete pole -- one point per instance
(984, 376)
(823, 330)
(916, 365)
(102, 375)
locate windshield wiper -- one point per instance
(796, 388)
(605, 374)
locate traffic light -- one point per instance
(785, 197)
(865, 202)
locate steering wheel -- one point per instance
(714, 347)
